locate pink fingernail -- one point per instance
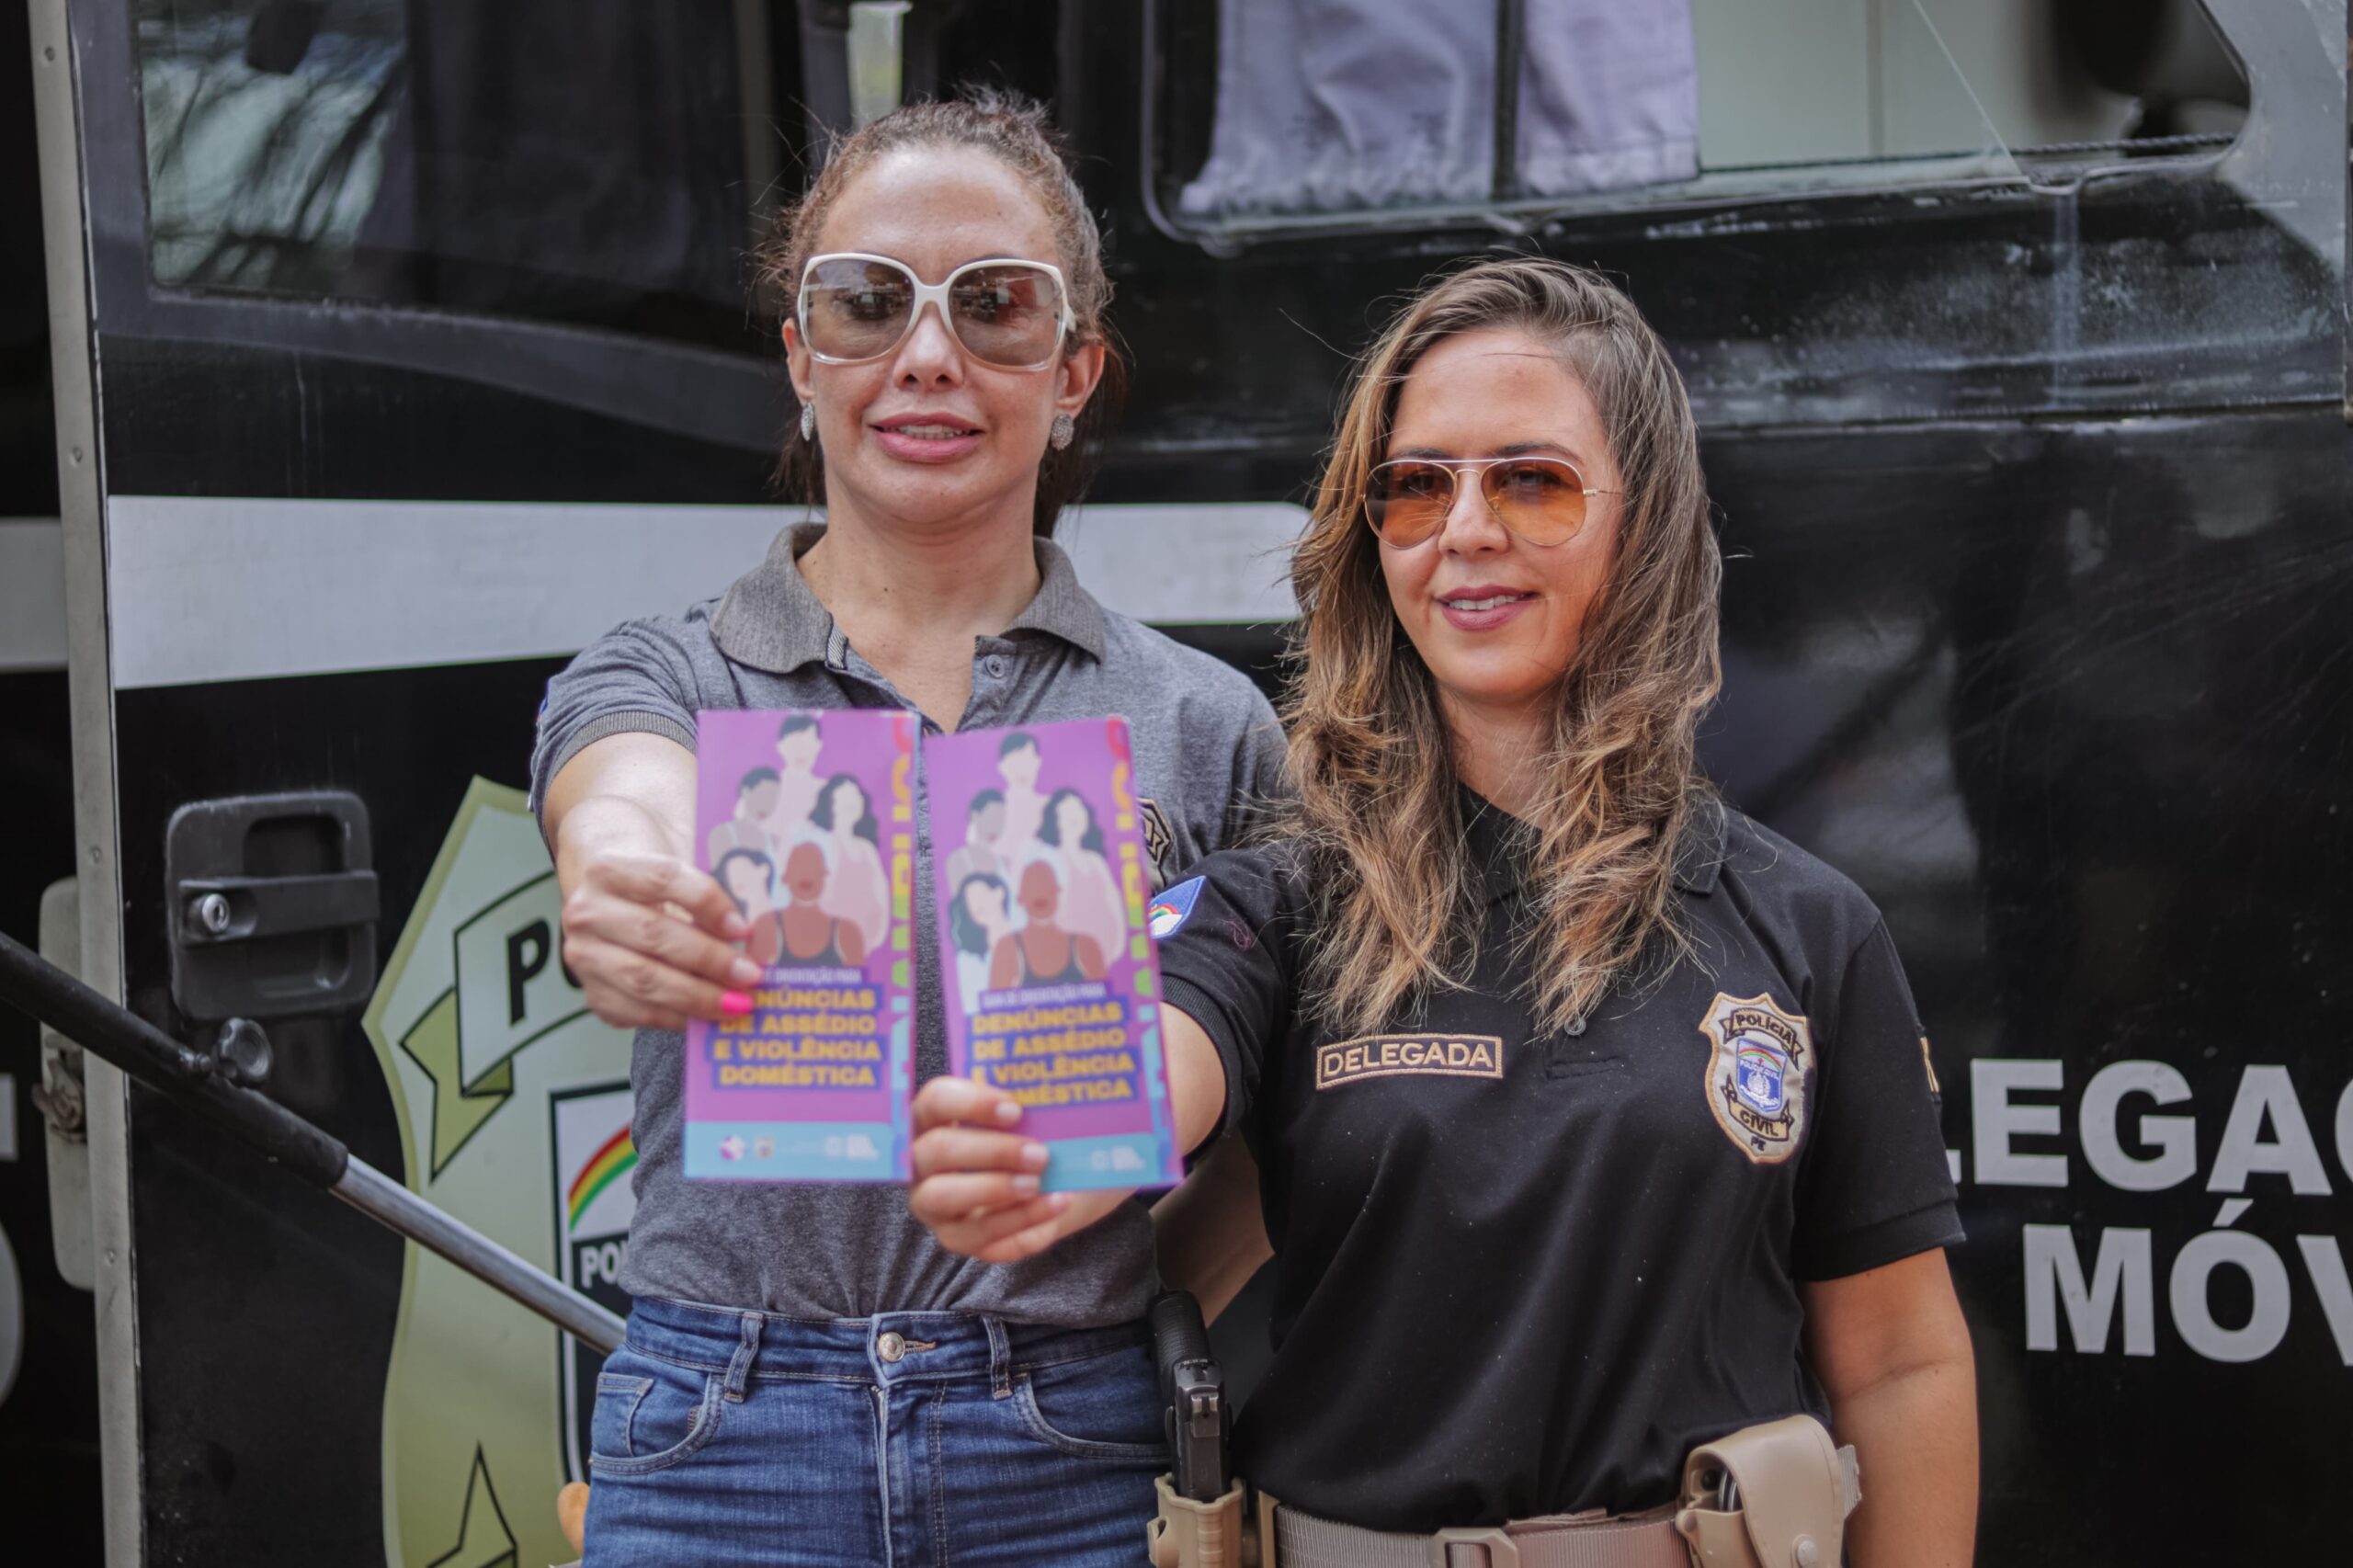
(745, 971)
(1034, 1156)
(1057, 1202)
(1025, 1186)
(1008, 1110)
(734, 1004)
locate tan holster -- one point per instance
(1790, 1490)
(1775, 1496)
(1186, 1534)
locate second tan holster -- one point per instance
(1789, 1492)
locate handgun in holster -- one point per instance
(1201, 1522)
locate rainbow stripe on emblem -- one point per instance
(607, 1166)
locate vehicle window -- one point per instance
(1322, 109)
(593, 164)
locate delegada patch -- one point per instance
(1172, 909)
(1757, 1074)
(1390, 1055)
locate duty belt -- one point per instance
(1775, 1496)
(1567, 1541)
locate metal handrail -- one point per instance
(204, 1084)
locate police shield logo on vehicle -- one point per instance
(1758, 1074)
(594, 1200)
(513, 1106)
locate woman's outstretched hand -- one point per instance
(977, 1176)
(652, 940)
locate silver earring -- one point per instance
(1065, 431)
(808, 421)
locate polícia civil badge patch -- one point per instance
(1757, 1074)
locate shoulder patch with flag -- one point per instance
(1172, 909)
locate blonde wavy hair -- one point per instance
(1395, 914)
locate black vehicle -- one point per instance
(401, 347)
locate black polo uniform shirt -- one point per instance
(1521, 1274)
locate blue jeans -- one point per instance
(729, 1439)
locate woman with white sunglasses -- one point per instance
(809, 1377)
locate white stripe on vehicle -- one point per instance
(205, 589)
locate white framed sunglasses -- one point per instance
(1005, 312)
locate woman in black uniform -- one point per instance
(1595, 1119)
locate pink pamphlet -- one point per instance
(1049, 979)
(807, 819)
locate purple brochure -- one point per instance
(1047, 973)
(807, 819)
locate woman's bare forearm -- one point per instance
(1212, 1235)
(627, 794)
(1916, 1435)
(1892, 1349)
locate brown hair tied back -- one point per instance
(1379, 813)
(1017, 131)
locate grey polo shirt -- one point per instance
(1207, 750)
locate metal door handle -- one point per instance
(237, 909)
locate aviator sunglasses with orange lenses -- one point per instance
(1009, 314)
(1540, 500)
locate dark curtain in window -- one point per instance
(581, 159)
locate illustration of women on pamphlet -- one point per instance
(808, 821)
(1053, 993)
